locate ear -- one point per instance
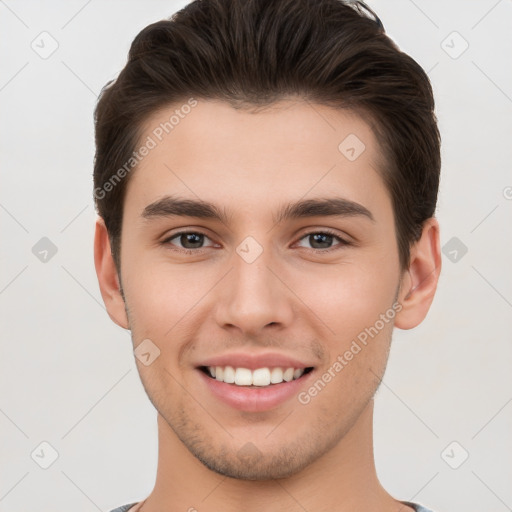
(108, 278)
(419, 282)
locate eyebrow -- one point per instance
(170, 206)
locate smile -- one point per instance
(259, 377)
(254, 390)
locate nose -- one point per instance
(254, 296)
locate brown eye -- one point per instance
(322, 240)
(191, 240)
(188, 240)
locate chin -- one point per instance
(253, 470)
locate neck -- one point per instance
(343, 479)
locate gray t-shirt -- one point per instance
(415, 506)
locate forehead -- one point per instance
(290, 150)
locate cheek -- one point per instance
(355, 303)
(348, 297)
(158, 296)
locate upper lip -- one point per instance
(254, 361)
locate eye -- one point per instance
(322, 240)
(189, 240)
(193, 241)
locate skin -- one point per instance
(292, 299)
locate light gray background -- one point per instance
(68, 375)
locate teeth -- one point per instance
(289, 374)
(260, 377)
(229, 374)
(276, 375)
(243, 377)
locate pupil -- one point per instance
(322, 236)
(189, 238)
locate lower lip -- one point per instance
(254, 398)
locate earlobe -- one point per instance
(108, 278)
(419, 283)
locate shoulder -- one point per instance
(417, 507)
(124, 508)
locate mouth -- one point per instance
(257, 378)
(254, 382)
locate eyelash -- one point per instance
(342, 241)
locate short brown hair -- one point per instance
(256, 52)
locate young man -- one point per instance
(266, 178)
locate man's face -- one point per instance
(252, 291)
